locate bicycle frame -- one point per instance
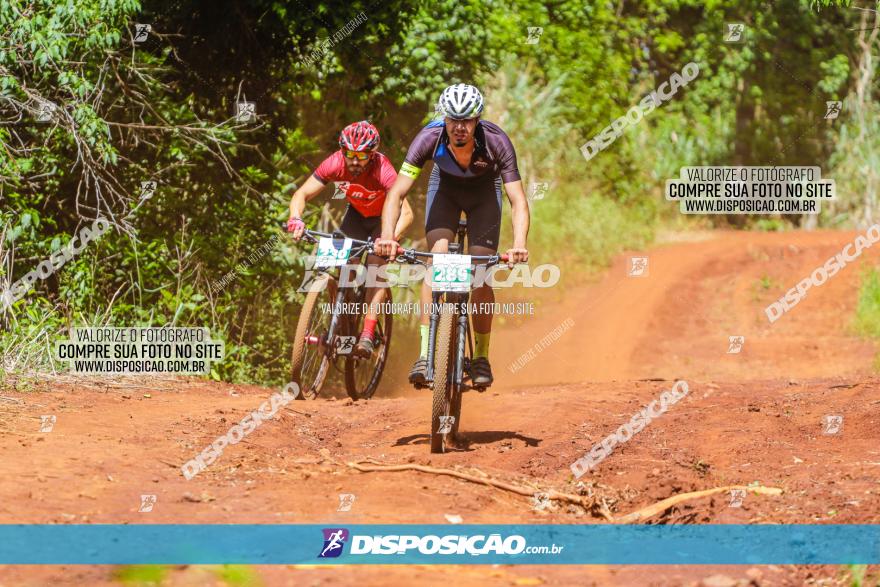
(363, 248)
(448, 387)
(463, 339)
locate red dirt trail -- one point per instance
(756, 415)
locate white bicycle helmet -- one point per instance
(460, 101)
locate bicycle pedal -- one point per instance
(478, 389)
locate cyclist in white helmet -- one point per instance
(472, 158)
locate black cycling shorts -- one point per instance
(359, 227)
(480, 200)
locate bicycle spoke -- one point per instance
(314, 364)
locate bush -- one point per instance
(867, 320)
(575, 221)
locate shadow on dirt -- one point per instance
(477, 437)
(491, 436)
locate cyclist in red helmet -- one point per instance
(364, 175)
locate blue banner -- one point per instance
(438, 544)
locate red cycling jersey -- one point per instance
(366, 192)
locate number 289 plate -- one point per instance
(451, 273)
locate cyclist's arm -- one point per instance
(311, 188)
(406, 218)
(393, 204)
(519, 206)
(519, 215)
(417, 155)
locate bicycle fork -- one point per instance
(461, 336)
(436, 302)
(327, 344)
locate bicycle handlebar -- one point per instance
(354, 241)
(488, 259)
(312, 234)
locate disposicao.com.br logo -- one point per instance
(393, 544)
(334, 540)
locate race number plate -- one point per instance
(329, 255)
(451, 273)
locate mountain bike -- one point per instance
(322, 337)
(450, 342)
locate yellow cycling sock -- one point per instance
(424, 330)
(481, 344)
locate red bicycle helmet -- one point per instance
(359, 136)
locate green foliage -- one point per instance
(769, 225)
(855, 166)
(577, 229)
(208, 212)
(836, 71)
(819, 4)
(141, 575)
(574, 222)
(867, 320)
(857, 575)
(535, 116)
(162, 110)
(445, 42)
(238, 575)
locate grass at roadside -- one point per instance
(590, 229)
(151, 575)
(867, 319)
(577, 222)
(137, 575)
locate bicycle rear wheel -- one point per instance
(442, 386)
(310, 359)
(362, 376)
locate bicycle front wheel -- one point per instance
(310, 359)
(442, 386)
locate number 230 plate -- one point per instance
(329, 255)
